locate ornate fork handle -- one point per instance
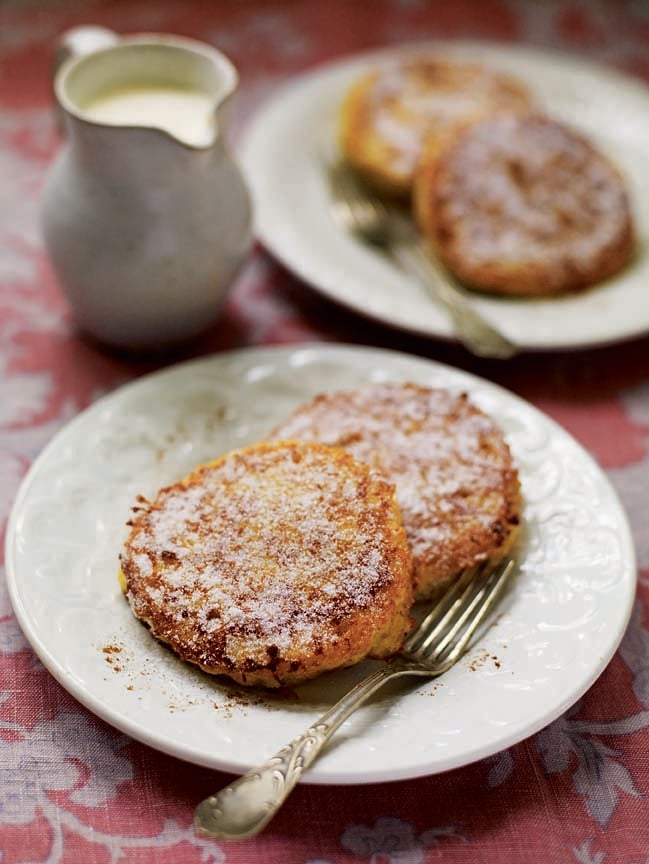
(471, 328)
(244, 807)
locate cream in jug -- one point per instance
(146, 217)
(183, 113)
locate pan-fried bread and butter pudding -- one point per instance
(523, 205)
(272, 564)
(391, 110)
(456, 484)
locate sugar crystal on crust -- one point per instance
(272, 564)
(456, 484)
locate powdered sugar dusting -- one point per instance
(264, 549)
(531, 190)
(449, 461)
(412, 99)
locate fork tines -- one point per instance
(444, 633)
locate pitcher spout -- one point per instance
(179, 86)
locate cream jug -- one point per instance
(146, 217)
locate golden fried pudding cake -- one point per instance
(390, 111)
(523, 205)
(456, 484)
(272, 564)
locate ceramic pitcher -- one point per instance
(146, 216)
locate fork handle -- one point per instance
(474, 331)
(243, 808)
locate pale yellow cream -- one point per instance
(186, 114)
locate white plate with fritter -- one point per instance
(559, 624)
(282, 154)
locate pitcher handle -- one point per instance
(78, 42)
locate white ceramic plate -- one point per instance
(282, 157)
(560, 623)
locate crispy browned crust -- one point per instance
(456, 483)
(389, 112)
(523, 205)
(273, 564)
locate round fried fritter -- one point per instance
(388, 114)
(523, 205)
(273, 564)
(456, 484)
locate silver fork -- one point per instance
(369, 219)
(243, 808)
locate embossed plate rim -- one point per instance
(61, 575)
(282, 151)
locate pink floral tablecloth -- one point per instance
(73, 789)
